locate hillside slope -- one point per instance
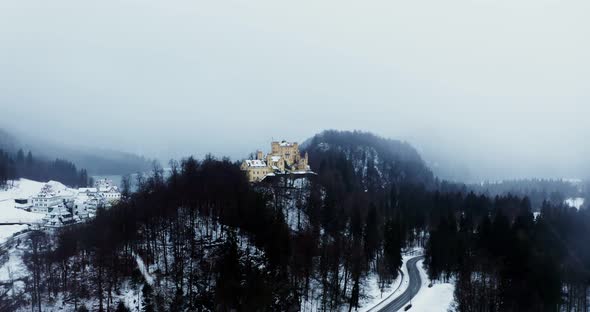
(376, 161)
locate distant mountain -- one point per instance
(375, 160)
(95, 160)
(101, 161)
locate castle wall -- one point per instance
(289, 151)
(282, 153)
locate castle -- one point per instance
(283, 158)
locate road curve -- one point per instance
(415, 283)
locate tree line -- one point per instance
(503, 258)
(537, 190)
(20, 165)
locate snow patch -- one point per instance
(437, 298)
(14, 268)
(398, 287)
(375, 299)
(143, 269)
(576, 202)
(6, 231)
(20, 189)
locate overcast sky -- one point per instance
(499, 87)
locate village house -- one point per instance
(48, 197)
(62, 205)
(59, 216)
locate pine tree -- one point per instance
(228, 287)
(371, 233)
(121, 307)
(148, 304)
(392, 247)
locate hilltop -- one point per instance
(376, 161)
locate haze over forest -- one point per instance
(483, 89)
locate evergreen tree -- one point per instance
(228, 288)
(392, 247)
(148, 304)
(121, 307)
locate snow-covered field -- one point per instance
(437, 298)
(577, 202)
(6, 231)
(22, 188)
(13, 268)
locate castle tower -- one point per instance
(259, 155)
(274, 147)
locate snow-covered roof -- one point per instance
(58, 186)
(285, 143)
(54, 188)
(109, 189)
(87, 190)
(275, 158)
(255, 163)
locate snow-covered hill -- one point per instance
(21, 189)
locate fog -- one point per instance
(483, 89)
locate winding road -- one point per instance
(415, 283)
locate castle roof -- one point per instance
(285, 143)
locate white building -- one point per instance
(62, 205)
(85, 205)
(47, 198)
(104, 193)
(107, 190)
(111, 193)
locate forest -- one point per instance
(95, 160)
(18, 165)
(219, 243)
(537, 190)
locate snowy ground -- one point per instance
(375, 299)
(143, 269)
(577, 202)
(22, 188)
(437, 298)
(374, 295)
(13, 268)
(6, 231)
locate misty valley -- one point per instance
(344, 221)
(303, 156)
